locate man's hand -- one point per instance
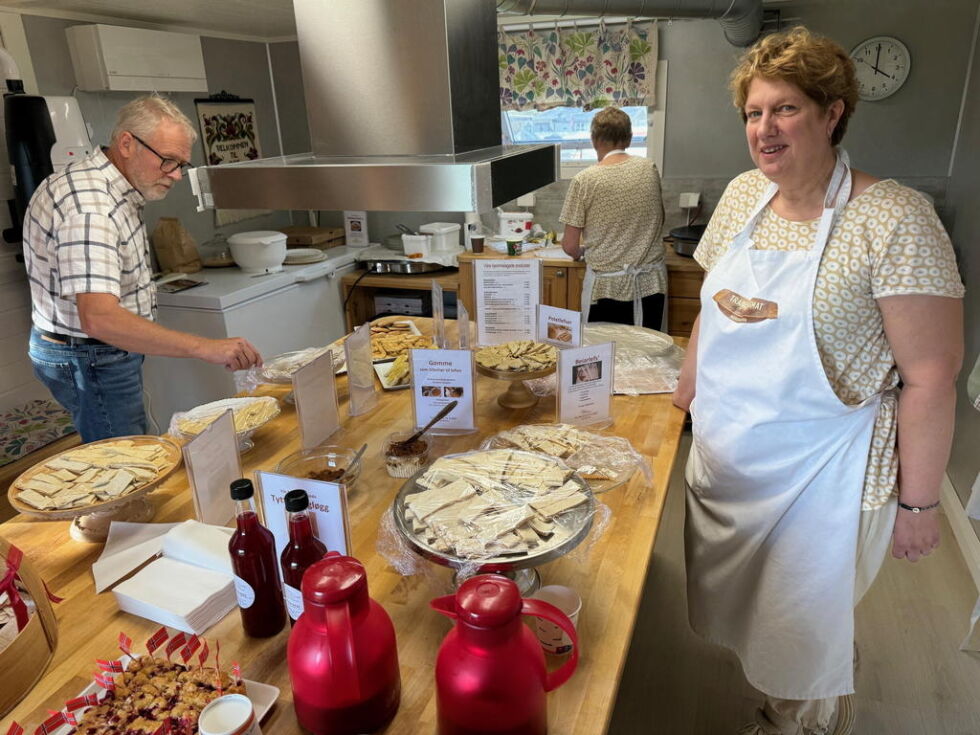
(235, 353)
(916, 534)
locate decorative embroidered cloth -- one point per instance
(31, 426)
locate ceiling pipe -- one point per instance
(741, 20)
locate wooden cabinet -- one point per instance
(684, 278)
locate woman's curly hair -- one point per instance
(817, 65)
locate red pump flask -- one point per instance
(343, 661)
(491, 676)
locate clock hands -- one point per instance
(875, 68)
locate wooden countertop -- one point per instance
(449, 280)
(608, 573)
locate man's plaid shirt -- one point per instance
(84, 233)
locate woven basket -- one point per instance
(24, 661)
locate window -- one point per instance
(570, 127)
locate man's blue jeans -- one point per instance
(99, 385)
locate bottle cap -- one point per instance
(488, 601)
(333, 579)
(242, 489)
(296, 500)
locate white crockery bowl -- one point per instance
(260, 251)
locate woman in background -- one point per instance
(826, 288)
(612, 215)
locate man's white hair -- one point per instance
(142, 115)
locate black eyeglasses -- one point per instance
(167, 165)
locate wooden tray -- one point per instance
(174, 460)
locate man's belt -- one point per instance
(67, 339)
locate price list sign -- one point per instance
(507, 294)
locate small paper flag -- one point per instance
(126, 644)
(156, 640)
(176, 642)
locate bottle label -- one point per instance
(244, 592)
(294, 601)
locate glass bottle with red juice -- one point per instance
(302, 550)
(253, 559)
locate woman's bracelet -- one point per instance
(917, 508)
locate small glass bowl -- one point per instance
(405, 465)
(307, 462)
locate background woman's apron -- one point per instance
(776, 471)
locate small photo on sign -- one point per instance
(432, 391)
(454, 391)
(559, 333)
(587, 373)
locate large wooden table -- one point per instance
(608, 571)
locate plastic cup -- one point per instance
(551, 637)
(231, 714)
(476, 242)
(515, 247)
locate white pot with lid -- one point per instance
(259, 251)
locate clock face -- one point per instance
(882, 64)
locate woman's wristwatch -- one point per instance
(917, 508)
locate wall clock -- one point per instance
(882, 64)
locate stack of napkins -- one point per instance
(191, 587)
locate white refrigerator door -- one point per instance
(303, 314)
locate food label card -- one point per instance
(585, 380)
(360, 372)
(213, 463)
(315, 391)
(438, 377)
(438, 316)
(355, 229)
(328, 513)
(559, 327)
(507, 293)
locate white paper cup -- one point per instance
(232, 714)
(553, 638)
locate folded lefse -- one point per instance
(741, 309)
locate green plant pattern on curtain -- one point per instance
(569, 67)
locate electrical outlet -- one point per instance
(690, 200)
(527, 200)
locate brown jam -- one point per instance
(415, 449)
(330, 474)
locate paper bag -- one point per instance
(175, 249)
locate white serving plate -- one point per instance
(382, 369)
(304, 256)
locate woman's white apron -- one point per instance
(776, 471)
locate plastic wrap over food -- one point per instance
(279, 370)
(496, 507)
(603, 461)
(249, 414)
(647, 361)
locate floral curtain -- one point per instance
(570, 67)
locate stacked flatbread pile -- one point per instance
(497, 503)
(384, 346)
(399, 373)
(520, 356)
(92, 474)
(249, 414)
(282, 367)
(557, 440)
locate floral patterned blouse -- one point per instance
(888, 241)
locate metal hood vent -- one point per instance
(402, 99)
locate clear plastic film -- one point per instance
(279, 370)
(485, 510)
(250, 414)
(647, 361)
(603, 461)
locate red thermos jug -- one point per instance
(491, 675)
(343, 662)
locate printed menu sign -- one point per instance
(213, 462)
(507, 292)
(438, 377)
(559, 327)
(585, 380)
(328, 514)
(315, 391)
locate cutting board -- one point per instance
(316, 237)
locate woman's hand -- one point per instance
(916, 534)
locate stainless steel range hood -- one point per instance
(402, 99)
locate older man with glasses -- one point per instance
(87, 257)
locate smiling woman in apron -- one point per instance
(612, 215)
(826, 289)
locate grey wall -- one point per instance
(239, 67)
(962, 198)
